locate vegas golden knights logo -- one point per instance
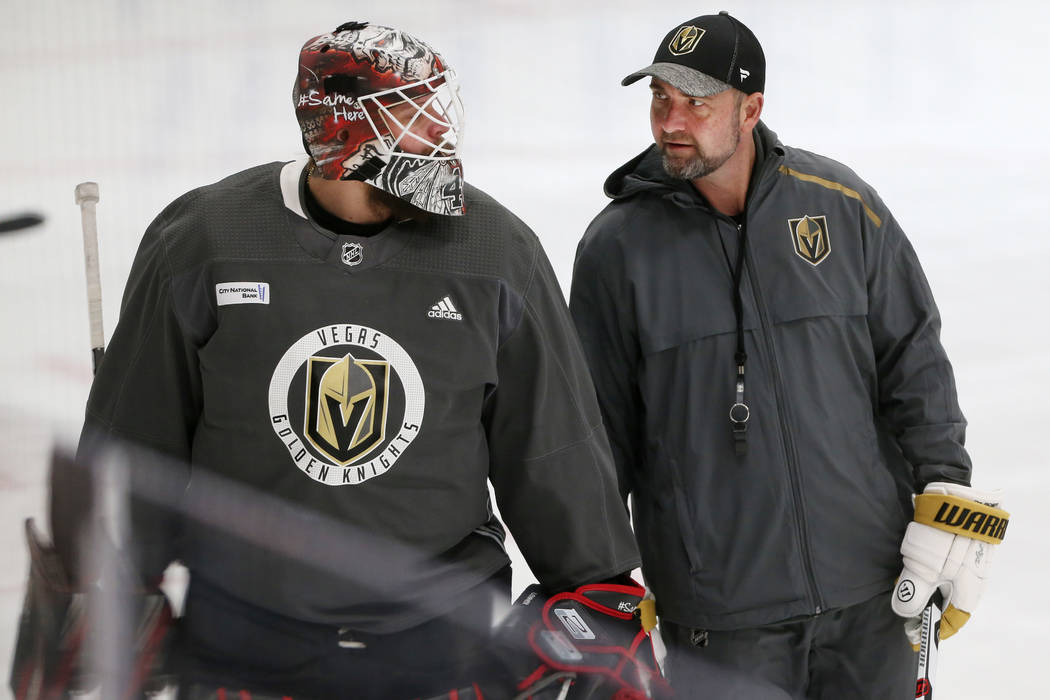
(810, 238)
(346, 405)
(346, 401)
(685, 40)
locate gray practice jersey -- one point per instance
(362, 389)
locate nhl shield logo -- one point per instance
(685, 40)
(353, 253)
(809, 235)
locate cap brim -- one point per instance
(690, 81)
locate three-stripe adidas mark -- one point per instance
(445, 309)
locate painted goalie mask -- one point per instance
(378, 105)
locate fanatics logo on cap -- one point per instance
(809, 235)
(685, 40)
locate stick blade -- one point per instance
(21, 221)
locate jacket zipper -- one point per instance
(788, 444)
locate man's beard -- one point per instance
(702, 164)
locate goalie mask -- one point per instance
(378, 105)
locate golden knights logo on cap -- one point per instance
(685, 40)
(809, 235)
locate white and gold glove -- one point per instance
(949, 546)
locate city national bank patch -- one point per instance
(242, 293)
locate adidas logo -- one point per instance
(445, 309)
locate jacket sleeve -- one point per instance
(145, 400)
(550, 465)
(603, 311)
(917, 395)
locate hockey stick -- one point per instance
(929, 647)
(20, 222)
(113, 632)
(86, 195)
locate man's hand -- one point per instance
(949, 547)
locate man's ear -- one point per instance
(751, 109)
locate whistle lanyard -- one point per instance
(739, 413)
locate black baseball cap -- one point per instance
(707, 55)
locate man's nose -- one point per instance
(672, 118)
(438, 128)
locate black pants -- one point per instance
(226, 643)
(859, 652)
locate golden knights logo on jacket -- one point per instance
(809, 235)
(346, 401)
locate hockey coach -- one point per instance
(766, 353)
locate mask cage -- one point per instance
(434, 101)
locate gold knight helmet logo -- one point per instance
(809, 235)
(685, 40)
(346, 406)
(346, 401)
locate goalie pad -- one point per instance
(948, 547)
(590, 643)
(53, 653)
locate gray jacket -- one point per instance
(852, 399)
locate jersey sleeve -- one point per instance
(146, 396)
(917, 392)
(550, 465)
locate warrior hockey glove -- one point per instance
(949, 547)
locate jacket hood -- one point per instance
(646, 171)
